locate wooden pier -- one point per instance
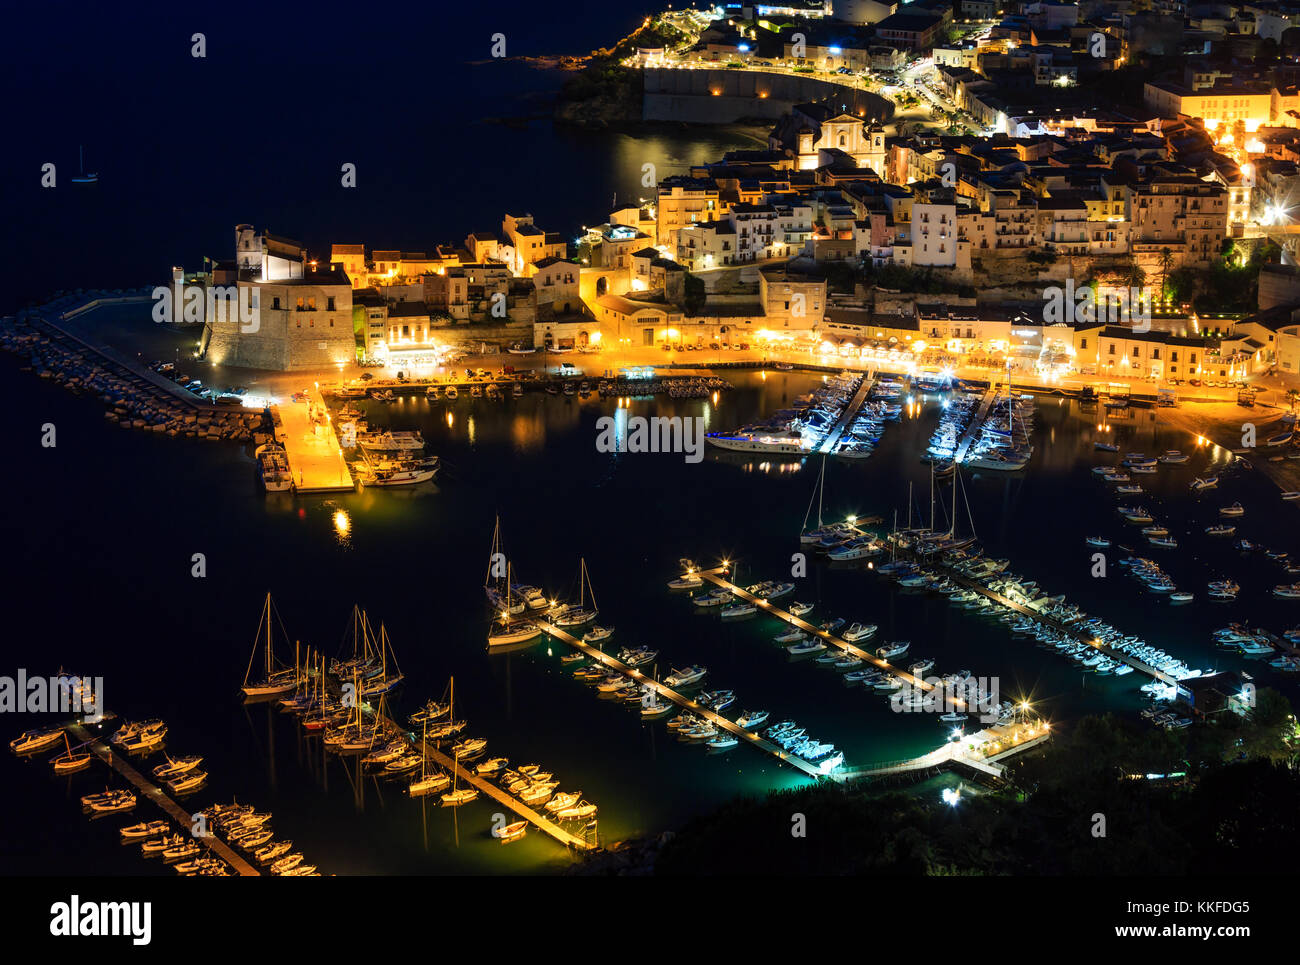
(977, 424)
(155, 794)
(747, 737)
(487, 788)
(715, 576)
(837, 431)
(1075, 632)
(752, 738)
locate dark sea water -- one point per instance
(258, 131)
(101, 540)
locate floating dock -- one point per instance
(155, 794)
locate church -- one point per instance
(811, 128)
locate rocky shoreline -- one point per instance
(129, 398)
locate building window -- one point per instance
(329, 305)
(275, 303)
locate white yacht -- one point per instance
(859, 631)
(391, 441)
(891, 650)
(786, 441)
(689, 675)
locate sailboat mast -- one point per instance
(268, 636)
(931, 494)
(821, 491)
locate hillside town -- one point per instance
(1051, 189)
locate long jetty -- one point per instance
(837, 431)
(497, 794)
(156, 795)
(1071, 630)
(934, 759)
(976, 424)
(745, 736)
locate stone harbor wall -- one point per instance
(721, 96)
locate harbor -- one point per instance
(526, 696)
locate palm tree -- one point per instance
(1166, 263)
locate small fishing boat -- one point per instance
(799, 609)
(187, 782)
(176, 766)
(1236, 509)
(145, 829)
(510, 832)
(1097, 541)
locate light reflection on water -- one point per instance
(413, 558)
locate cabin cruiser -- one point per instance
(637, 657)
(531, 596)
(859, 631)
(689, 675)
(792, 635)
(35, 740)
(740, 608)
(1172, 457)
(1236, 509)
(389, 441)
(799, 609)
(920, 667)
(751, 718)
(687, 581)
(597, 634)
(712, 598)
(891, 650)
(804, 647)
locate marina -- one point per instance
(151, 792)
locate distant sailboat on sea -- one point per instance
(83, 177)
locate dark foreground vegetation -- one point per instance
(1090, 803)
